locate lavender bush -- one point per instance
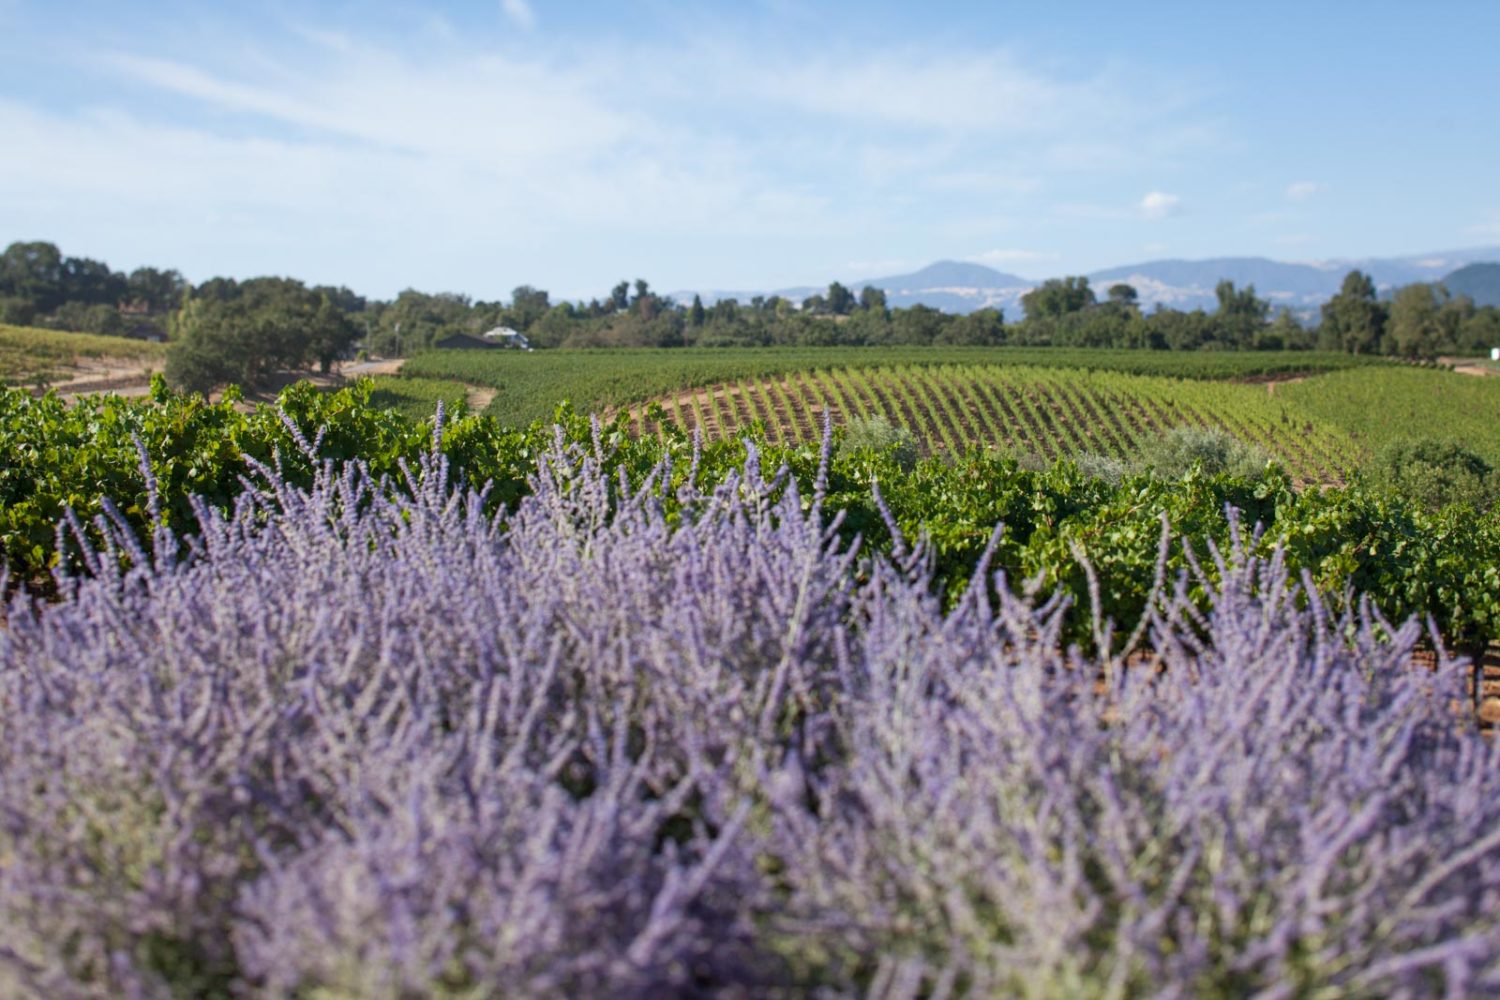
(352, 741)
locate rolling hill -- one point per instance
(1480, 282)
(961, 287)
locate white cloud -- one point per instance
(1159, 205)
(1302, 190)
(418, 155)
(1487, 229)
(520, 13)
(1011, 256)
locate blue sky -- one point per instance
(477, 146)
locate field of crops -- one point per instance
(1378, 405)
(416, 398)
(1049, 412)
(530, 385)
(28, 354)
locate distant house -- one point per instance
(504, 336)
(464, 342)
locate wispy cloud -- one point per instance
(1159, 205)
(520, 13)
(1488, 228)
(1302, 190)
(645, 146)
(1003, 257)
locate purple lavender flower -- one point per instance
(380, 743)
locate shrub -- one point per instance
(1434, 474)
(877, 434)
(1209, 449)
(348, 743)
(1105, 467)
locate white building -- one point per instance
(506, 337)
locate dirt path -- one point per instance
(124, 377)
(477, 398)
(133, 378)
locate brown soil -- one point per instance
(477, 399)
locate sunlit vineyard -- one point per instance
(1048, 412)
(1378, 405)
(29, 355)
(529, 385)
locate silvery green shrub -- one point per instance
(365, 740)
(1211, 449)
(878, 434)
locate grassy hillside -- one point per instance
(1049, 412)
(530, 385)
(28, 354)
(1378, 405)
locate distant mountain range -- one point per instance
(1480, 282)
(961, 287)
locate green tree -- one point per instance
(1058, 297)
(34, 272)
(696, 313)
(268, 325)
(1123, 296)
(1284, 333)
(1480, 331)
(1353, 320)
(918, 325)
(527, 306)
(840, 300)
(155, 290)
(91, 282)
(872, 299)
(1241, 314)
(980, 328)
(1424, 321)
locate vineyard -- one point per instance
(1376, 406)
(28, 355)
(529, 385)
(1048, 412)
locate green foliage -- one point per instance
(27, 354)
(1109, 468)
(530, 384)
(1426, 321)
(244, 333)
(878, 435)
(1353, 320)
(1180, 450)
(1380, 404)
(1050, 412)
(1058, 297)
(1434, 474)
(417, 398)
(1409, 558)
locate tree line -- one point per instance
(225, 330)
